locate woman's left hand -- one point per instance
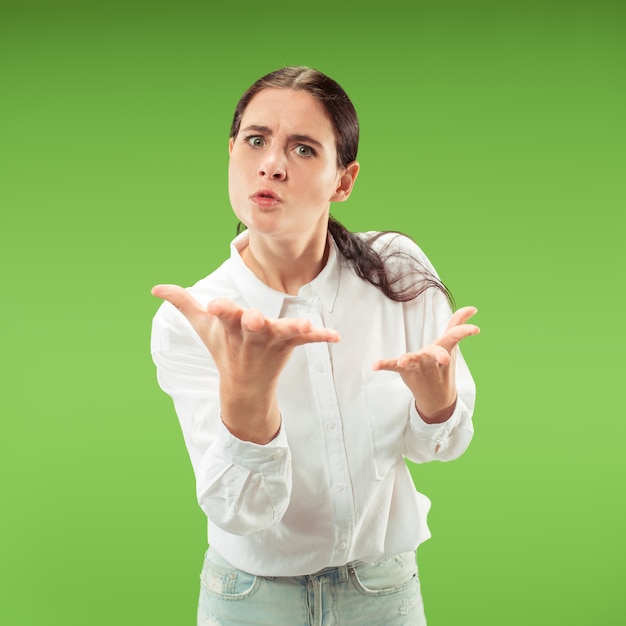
(429, 373)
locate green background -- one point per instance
(492, 132)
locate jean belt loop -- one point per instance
(343, 573)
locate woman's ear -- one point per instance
(346, 182)
(231, 141)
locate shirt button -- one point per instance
(342, 546)
(332, 425)
(339, 488)
(308, 291)
(319, 367)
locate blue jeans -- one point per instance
(386, 593)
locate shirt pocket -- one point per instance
(387, 409)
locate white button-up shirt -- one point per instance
(333, 486)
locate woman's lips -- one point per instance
(265, 198)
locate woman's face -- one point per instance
(283, 172)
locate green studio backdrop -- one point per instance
(492, 133)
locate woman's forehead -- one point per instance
(296, 110)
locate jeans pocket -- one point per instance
(226, 582)
(393, 575)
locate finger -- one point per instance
(390, 365)
(320, 335)
(291, 327)
(460, 316)
(227, 312)
(433, 353)
(253, 320)
(441, 355)
(301, 331)
(451, 338)
(384, 364)
(222, 307)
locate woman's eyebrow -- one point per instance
(259, 129)
(307, 139)
(265, 130)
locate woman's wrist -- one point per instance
(436, 415)
(251, 417)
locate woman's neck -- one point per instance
(285, 267)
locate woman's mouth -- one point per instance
(265, 198)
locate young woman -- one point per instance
(304, 371)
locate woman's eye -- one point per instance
(304, 151)
(255, 141)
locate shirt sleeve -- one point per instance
(242, 487)
(448, 440)
(426, 320)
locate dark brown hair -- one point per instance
(410, 277)
(335, 100)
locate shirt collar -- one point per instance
(260, 296)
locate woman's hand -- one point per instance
(429, 373)
(250, 351)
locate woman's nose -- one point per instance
(272, 167)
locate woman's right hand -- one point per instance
(250, 351)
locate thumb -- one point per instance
(179, 297)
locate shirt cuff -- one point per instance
(249, 455)
(437, 434)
